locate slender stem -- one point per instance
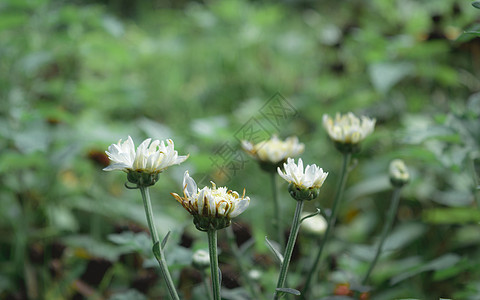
(476, 183)
(289, 249)
(212, 247)
(149, 213)
(276, 211)
(153, 232)
(240, 262)
(386, 229)
(331, 223)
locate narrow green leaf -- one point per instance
(220, 277)
(476, 4)
(437, 264)
(289, 291)
(156, 251)
(311, 215)
(165, 240)
(274, 248)
(452, 215)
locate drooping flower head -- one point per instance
(303, 184)
(145, 163)
(347, 131)
(211, 208)
(273, 152)
(399, 175)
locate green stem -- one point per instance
(289, 249)
(476, 184)
(276, 211)
(386, 229)
(153, 232)
(240, 262)
(212, 247)
(331, 223)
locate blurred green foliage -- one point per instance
(77, 76)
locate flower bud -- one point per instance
(399, 175)
(201, 259)
(314, 226)
(255, 274)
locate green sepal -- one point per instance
(203, 223)
(301, 194)
(347, 147)
(141, 178)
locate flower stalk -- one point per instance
(289, 248)
(331, 223)
(212, 247)
(386, 229)
(159, 254)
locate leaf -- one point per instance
(288, 291)
(385, 75)
(274, 248)
(476, 4)
(94, 247)
(311, 215)
(403, 235)
(453, 198)
(129, 295)
(453, 215)
(245, 246)
(156, 251)
(134, 241)
(457, 269)
(437, 264)
(165, 239)
(220, 277)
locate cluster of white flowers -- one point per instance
(209, 204)
(348, 129)
(149, 157)
(206, 204)
(274, 150)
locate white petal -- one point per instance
(240, 207)
(189, 185)
(201, 201)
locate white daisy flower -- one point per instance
(211, 207)
(348, 129)
(274, 151)
(312, 177)
(304, 184)
(149, 157)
